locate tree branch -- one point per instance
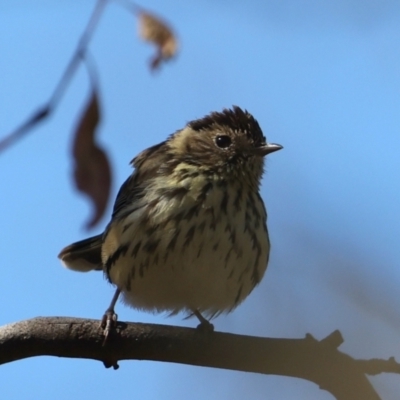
(308, 358)
(46, 110)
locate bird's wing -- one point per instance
(146, 164)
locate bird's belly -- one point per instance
(210, 262)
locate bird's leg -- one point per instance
(110, 318)
(205, 325)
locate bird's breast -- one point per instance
(197, 245)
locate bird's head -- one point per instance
(230, 144)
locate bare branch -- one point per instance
(308, 358)
(46, 110)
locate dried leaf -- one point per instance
(92, 169)
(152, 29)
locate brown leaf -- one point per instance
(92, 169)
(152, 29)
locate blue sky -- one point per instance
(323, 80)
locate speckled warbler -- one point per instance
(188, 231)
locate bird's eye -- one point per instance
(223, 141)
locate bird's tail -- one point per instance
(83, 256)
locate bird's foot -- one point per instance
(205, 325)
(108, 323)
(110, 318)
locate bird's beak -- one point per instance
(266, 149)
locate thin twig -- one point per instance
(46, 110)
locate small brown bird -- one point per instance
(188, 231)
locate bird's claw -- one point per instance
(205, 326)
(108, 323)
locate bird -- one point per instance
(188, 231)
